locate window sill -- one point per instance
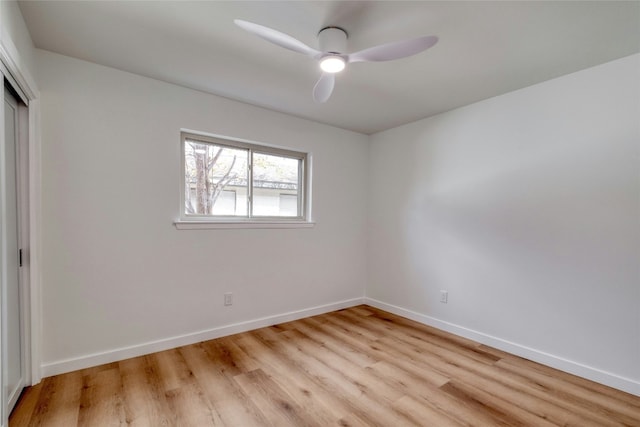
(208, 225)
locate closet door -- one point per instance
(12, 294)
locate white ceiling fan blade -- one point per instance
(276, 37)
(396, 50)
(322, 90)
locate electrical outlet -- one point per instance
(444, 297)
(228, 298)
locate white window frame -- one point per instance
(187, 221)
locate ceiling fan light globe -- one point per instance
(332, 64)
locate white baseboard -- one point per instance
(612, 380)
(90, 360)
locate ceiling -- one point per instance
(485, 49)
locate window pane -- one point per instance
(274, 176)
(288, 204)
(215, 179)
(226, 203)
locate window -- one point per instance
(233, 181)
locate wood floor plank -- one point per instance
(366, 382)
(467, 357)
(370, 410)
(434, 400)
(233, 358)
(504, 386)
(319, 404)
(593, 389)
(192, 407)
(420, 328)
(101, 401)
(26, 406)
(233, 405)
(360, 310)
(354, 367)
(351, 420)
(422, 414)
(144, 397)
(412, 334)
(275, 403)
(171, 368)
(408, 362)
(58, 404)
(318, 370)
(336, 319)
(596, 405)
(502, 412)
(227, 357)
(336, 345)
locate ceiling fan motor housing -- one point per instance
(333, 40)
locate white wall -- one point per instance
(526, 208)
(16, 37)
(117, 273)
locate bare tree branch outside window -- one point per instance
(212, 169)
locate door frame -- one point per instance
(13, 69)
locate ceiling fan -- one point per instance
(332, 42)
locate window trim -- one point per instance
(186, 221)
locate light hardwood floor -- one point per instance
(354, 367)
